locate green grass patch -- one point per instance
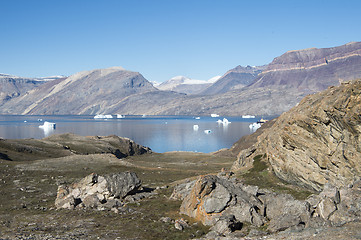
(261, 175)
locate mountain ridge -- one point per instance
(279, 87)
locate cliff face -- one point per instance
(312, 70)
(316, 142)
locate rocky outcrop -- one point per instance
(61, 145)
(227, 204)
(316, 142)
(119, 146)
(99, 192)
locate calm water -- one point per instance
(160, 133)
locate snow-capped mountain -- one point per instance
(186, 85)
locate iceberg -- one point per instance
(195, 127)
(48, 125)
(198, 118)
(214, 115)
(48, 128)
(120, 116)
(224, 121)
(100, 116)
(207, 131)
(254, 126)
(248, 116)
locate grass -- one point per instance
(261, 175)
(28, 192)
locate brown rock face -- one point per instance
(316, 142)
(312, 70)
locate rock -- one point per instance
(165, 219)
(217, 200)
(326, 207)
(226, 224)
(181, 190)
(212, 197)
(121, 184)
(314, 143)
(349, 208)
(226, 203)
(282, 222)
(330, 191)
(96, 191)
(284, 211)
(180, 224)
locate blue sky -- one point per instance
(165, 38)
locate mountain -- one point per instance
(314, 143)
(312, 70)
(14, 86)
(186, 85)
(88, 92)
(233, 79)
(278, 88)
(284, 82)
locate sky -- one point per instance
(165, 38)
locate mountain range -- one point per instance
(265, 90)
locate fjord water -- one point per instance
(160, 133)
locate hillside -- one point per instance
(88, 92)
(312, 70)
(233, 79)
(14, 86)
(316, 142)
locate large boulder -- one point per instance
(96, 191)
(212, 197)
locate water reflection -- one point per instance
(168, 133)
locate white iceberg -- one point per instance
(48, 125)
(254, 126)
(214, 115)
(101, 116)
(207, 131)
(198, 118)
(120, 116)
(195, 127)
(248, 116)
(224, 121)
